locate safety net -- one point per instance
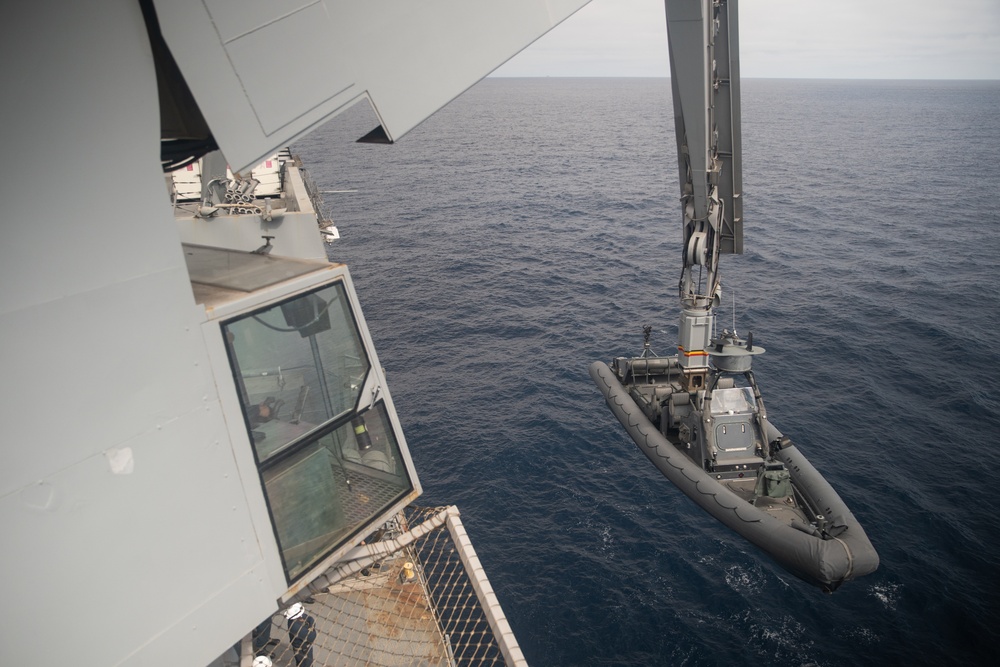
(413, 594)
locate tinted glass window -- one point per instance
(328, 471)
(326, 490)
(299, 365)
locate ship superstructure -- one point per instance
(198, 425)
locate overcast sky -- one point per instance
(851, 39)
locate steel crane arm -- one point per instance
(704, 70)
(704, 76)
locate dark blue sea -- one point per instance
(533, 226)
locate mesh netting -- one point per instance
(416, 606)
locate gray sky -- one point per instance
(851, 39)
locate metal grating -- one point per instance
(415, 595)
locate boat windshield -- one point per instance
(733, 401)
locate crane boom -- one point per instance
(703, 38)
(699, 416)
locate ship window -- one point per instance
(324, 491)
(299, 365)
(328, 470)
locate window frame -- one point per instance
(363, 404)
(241, 391)
(363, 526)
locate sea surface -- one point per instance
(533, 226)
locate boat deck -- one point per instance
(785, 510)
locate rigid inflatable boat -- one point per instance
(780, 502)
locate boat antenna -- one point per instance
(647, 332)
(734, 314)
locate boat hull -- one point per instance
(820, 559)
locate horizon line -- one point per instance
(742, 78)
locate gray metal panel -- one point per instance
(258, 58)
(409, 59)
(687, 30)
(704, 70)
(727, 120)
(294, 232)
(153, 533)
(96, 362)
(235, 18)
(62, 130)
(126, 524)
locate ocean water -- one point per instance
(533, 226)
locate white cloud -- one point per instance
(785, 38)
(605, 38)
